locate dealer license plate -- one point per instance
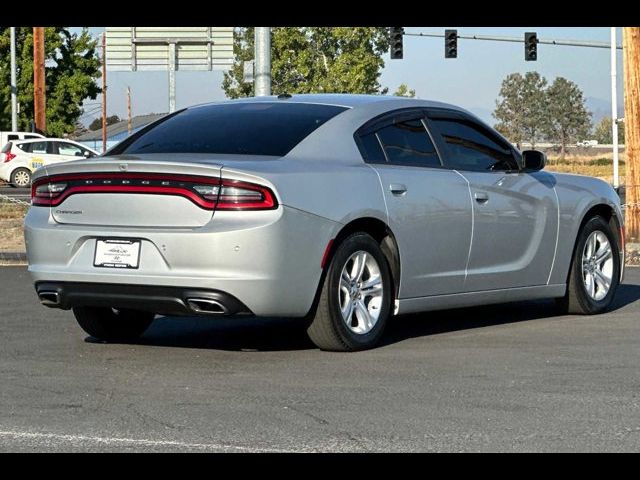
(117, 253)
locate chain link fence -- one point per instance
(16, 201)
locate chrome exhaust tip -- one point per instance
(49, 298)
(206, 305)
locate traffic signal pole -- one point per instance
(262, 79)
(14, 87)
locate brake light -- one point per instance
(207, 193)
(244, 196)
(44, 193)
(9, 156)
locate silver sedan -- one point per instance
(342, 210)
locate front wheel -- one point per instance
(113, 325)
(355, 300)
(595, 270)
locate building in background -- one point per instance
(117, 131)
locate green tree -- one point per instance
(71, 68)
(314, 60)
(567, 117)
(97, 123)
(404, 91)
(603, 134)
(520, 108)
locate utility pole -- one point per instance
(104, 93)
(262, 79)
(614, 109)
(129, 110)
(14, 84)
(39, 93)
(631, 51)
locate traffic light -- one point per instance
(530, 46)
(450, 44)
(395, 41)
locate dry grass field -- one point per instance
(600, 165)
(11, 218)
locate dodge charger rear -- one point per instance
(340, 210)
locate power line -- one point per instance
(569, 43)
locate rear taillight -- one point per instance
(208, 193)
(9, 156)
(44, 193)
(244, 196)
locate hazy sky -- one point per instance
(471, 81)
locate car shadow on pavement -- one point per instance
(233, 334)
(280, 334)
(444, 321)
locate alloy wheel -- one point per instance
(360, 292)
(597, 265)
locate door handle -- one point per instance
(398, 188)
(481, 197)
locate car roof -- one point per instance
(348, 100)
(45, 139)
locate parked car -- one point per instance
(587, 143)
(11, 136)
(19, 158)
(342, 210)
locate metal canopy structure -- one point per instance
(169, 48)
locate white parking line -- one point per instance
(116, 441)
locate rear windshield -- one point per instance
(6, 148)
(261, 128)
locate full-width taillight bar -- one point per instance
(206, 192)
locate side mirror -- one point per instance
(533, 160)
(87, 154)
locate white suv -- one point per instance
(20, 158)
(11, 136)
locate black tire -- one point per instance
(577, 300)
(328, 330)
(20, 171)
(110, 325)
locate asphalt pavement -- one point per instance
(23, 194)
(514, 377)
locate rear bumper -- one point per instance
(5, 171)
(161, 300)
(269, 261)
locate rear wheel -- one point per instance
(111, 325)
(595, 270)
(355, 300)
(21, 177)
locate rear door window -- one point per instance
(39, 147)
(407, 142)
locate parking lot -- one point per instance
(510, 378)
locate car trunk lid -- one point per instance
(142, 191)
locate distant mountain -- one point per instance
(602, 108)
(484, 114)
(598, 107)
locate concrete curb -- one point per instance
(13, 257)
